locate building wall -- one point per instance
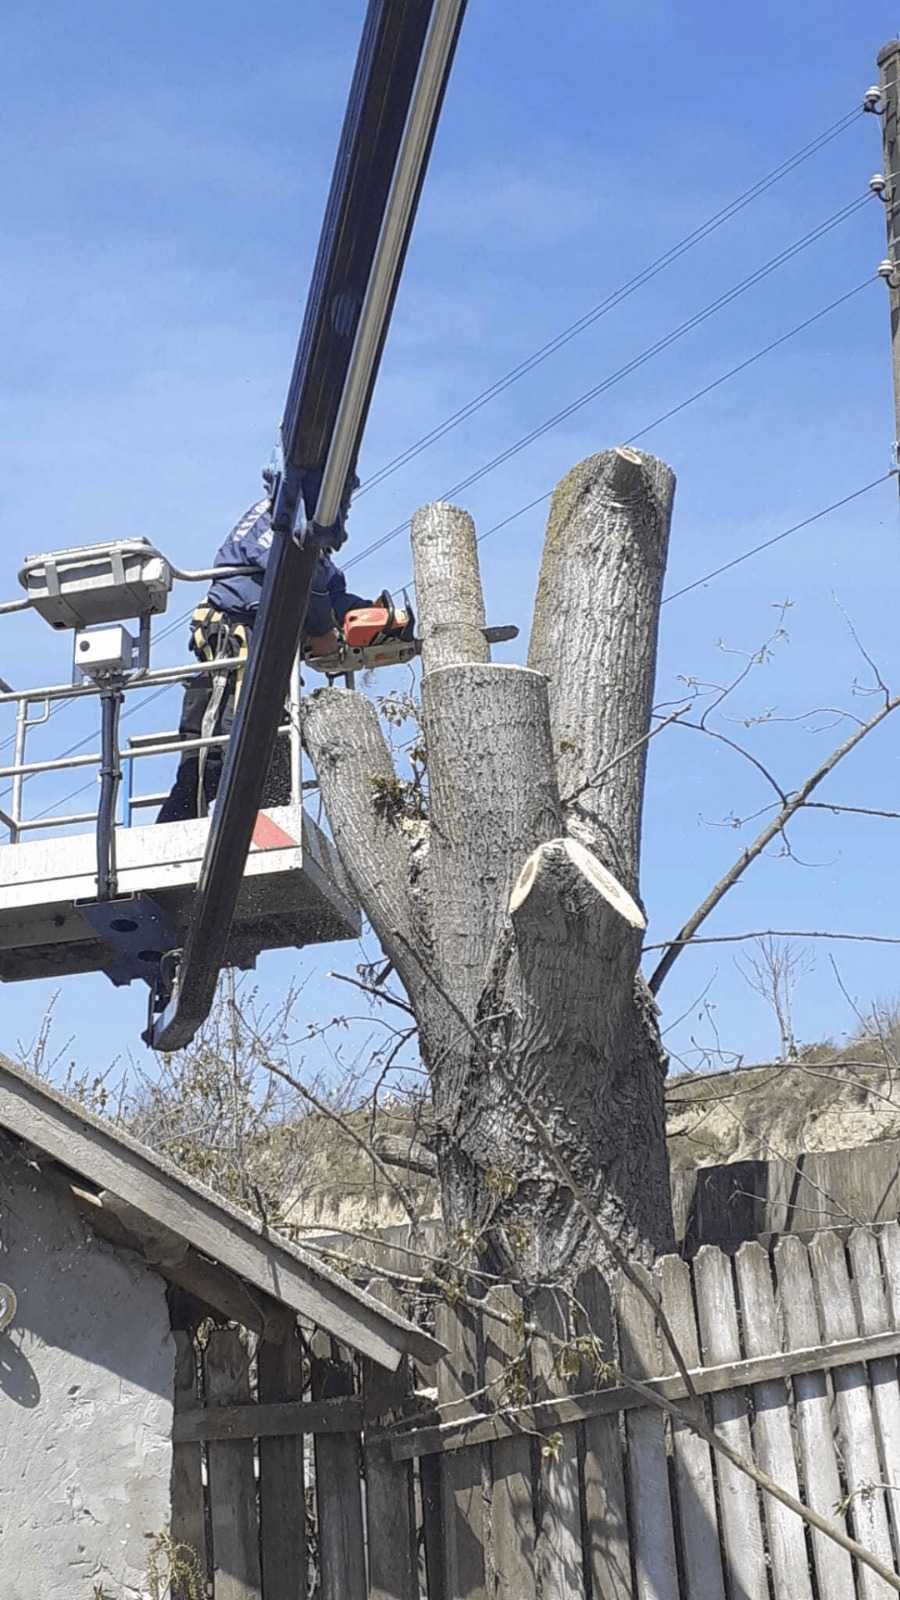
(86, 1385)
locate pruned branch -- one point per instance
(686, 933)
(342, 734)
(397, 1151)
(594, 635)
(448, 587)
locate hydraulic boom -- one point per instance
(395, 100)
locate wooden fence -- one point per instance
(300, 1474)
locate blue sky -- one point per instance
(163, 181)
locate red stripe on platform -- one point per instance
(268, 836)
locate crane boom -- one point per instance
(401, 74)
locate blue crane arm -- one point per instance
(398, 87)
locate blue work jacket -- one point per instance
(249, 544)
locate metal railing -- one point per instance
(139, 747)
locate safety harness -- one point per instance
(217, 637)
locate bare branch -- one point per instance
(376, 992)
(592, 783)
(776, 826)
(773, 933)
(346, 1127)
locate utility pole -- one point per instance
(885, 101)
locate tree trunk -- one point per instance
(511, 914)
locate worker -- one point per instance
(222, 627)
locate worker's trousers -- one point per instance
(184, 800)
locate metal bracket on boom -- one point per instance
(398, 88)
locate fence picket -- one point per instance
(697, 1516)
(187, 1481)
(559, 1557)
(342, 1554)
(854, 1413)
(462, 1496)
(812, 1410)
(390, 1508)
(512, 1512)
(282, 1512)
(739, 1505)
(874, 1317)
(772, 1440)
(603, 1479)
(232, 1487)
(652, 1530)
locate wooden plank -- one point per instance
(652, 1528)
(232, 1488)
(889, 1244)
(342, 1557)
(390, 1507)
(697, 1514)
(113, 1160)
(867, 1513)
(874, 1317)
(462, 1496)
(772, 1434)
(431, 1481)
(187, 1526)
(559, 1559)
(275, 1420)
(739, 1507)
(605, 1535)
(215, 1286)
(512, 1511)
(812, 1415)
(483, 1426)
(282, 1508)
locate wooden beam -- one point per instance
(111, 1159)
(218, 1288)
(551, 1414)
(279, 1419)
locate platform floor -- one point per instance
(294, 893)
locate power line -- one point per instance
(695, 321)
(699, 394)
(613, 299)
(777, 538)
(697, 583)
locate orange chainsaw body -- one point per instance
(370, 624)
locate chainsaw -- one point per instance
(381, 635)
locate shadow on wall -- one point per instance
(77, 1296)
(18, 1379)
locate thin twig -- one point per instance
(623, 755)
(341, 1122)
(773, 933)
(776, 826)
(375, 992)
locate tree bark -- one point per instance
(492, 800)
(375, 841)
(511, 916)
(448, 587)
(594, 634)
